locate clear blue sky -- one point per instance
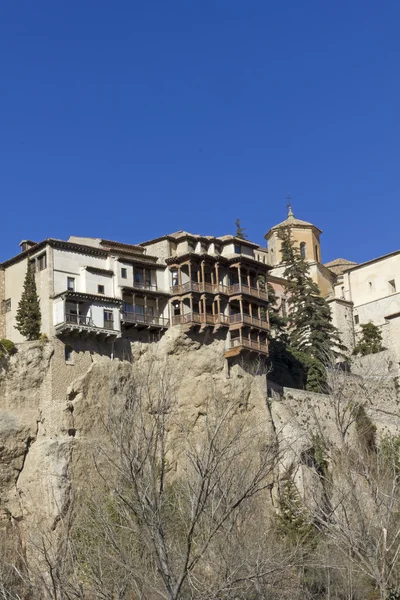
(128, 120)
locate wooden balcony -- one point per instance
(147, 321)
(236, 346)
(74, 323)
(200, 319)
(240, 288)
(218, 288)
(243, 319)
(144, 286)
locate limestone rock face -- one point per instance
(45, 435)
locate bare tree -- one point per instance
(176, 497)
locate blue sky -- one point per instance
(128, 120)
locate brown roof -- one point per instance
(339, 265)
(291, 221)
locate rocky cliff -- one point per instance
(45, 438)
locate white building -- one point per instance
(107, 290)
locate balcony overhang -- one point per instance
(83, 297)
(100, 333)
(143, 321)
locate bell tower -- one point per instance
(306, 238)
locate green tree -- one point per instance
(371, 340)
(240, 231)
(312, 339)
(277, 322)
(28, 313)
(310, 323)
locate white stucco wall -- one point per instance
(68, 264)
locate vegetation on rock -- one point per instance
(371, 340)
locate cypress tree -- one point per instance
(28, 313)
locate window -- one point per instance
(6, 305)
(370, 285)
(356, 319)
(69, 354)
(42, 262)
(237, 249)
(316, 253)
(124, 273)
(175, 279)
(303, 247)
(342, 292)
(70, 284)
(392, 286)
(100, 289)
(108, 319)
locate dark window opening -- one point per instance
(69, 354)
(124, 273)
(100, 289)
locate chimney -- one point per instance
(26, 244)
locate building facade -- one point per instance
(106, 291)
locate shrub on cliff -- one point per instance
(7, 347)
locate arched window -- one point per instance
(302, 249)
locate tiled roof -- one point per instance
(291, 221)
(339, 265)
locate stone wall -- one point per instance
(2, 298)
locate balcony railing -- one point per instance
(79, 319)
(201, 319)
(250, 344)
(86, 322)
(248, 320)
(141, 285)
(240, 288)
(133, 317)
(218, 288)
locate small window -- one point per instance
(70, 284)
(100, 289)
(69, 354)
(342, 292)
(316, 253)
(175, 278)
(303, 248)
(392, 286)
(237, 249)
(108, 319)
(6, 305)
(124, 273)
(370, 286)
(42, 262)
(356, 319)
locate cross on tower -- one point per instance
(289, 205)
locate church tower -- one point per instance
(306, 238)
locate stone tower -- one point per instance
(306, 237)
